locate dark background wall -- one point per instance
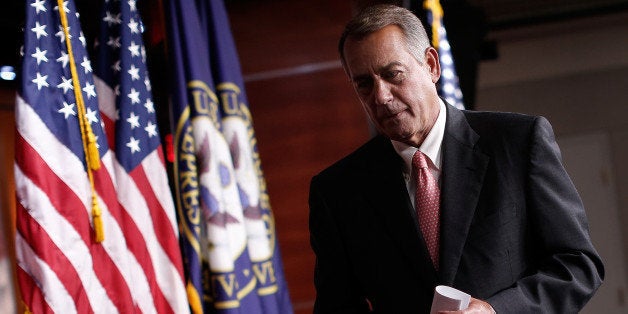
(306, 115)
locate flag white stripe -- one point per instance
(159, 182)
(124, 259)
(49, 149)
(138, 210)
(59, 158)
(106, 98)
(56, 295)
(65, 237)
(166, 273)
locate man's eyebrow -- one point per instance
(390, 65)
(379, 70)
(360, 77)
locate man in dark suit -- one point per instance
(508, 227)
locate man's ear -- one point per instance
(433, 63)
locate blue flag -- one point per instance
(448, 85)
(229, 245)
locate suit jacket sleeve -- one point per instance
(568, 270)
(335, 287)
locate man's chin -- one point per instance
(399, 137)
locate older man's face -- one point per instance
(397, 91)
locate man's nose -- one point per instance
(381, 93)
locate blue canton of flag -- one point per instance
(448, 85)
(48, 82)
(121, 64)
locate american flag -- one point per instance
(62, 266)
(448, 85)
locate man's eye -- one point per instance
(392, 75)
(363, 85)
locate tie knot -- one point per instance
(419, 160)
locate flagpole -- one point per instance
(437, 16)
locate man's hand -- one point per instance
(476, 306)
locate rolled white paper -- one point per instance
(449, 299)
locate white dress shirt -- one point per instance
(431, 147)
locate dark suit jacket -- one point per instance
(513, 228)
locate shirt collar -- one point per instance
(431, 146)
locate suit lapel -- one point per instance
(462, 177)
(386, 192)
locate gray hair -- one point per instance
(377, 17)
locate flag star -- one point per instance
(40, 81)
(448, 88)
(39, 30)
(65, 7)
(448, 74)
(151, 129)
(67, 110)
(86, 65)
(111, 19)
(40, 55)
(82, 39)
(91, 116)
(133, 144)
(66, 85)
(116, 66)
(147, 83)
(116, 90)
(102, 124)
(133, 120)
(446, 59)
(149, 106)
(64, 59)
(89, 90)
(114, 42)
(132, 5)
(134, 49)
(134, 72)
(143, 54)
(61, 33)
(39, 6)
(134, 96)
(134, 26)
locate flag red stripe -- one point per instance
(61, 197)
(69, 206)
(48, 251)
(165, 234)
(134, 238)
(31, 294)
(110, 129)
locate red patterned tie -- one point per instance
(427, 202)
